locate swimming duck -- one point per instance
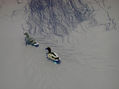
(30, 41)
(52, 56)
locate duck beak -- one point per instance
(46, 48)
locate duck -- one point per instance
(30, 41)
(52, 56)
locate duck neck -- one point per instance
(49, 50)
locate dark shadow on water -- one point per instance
(58, 17)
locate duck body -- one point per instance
(30, 41)
(53, 57)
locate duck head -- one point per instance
(48, 49)
(26, 34)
